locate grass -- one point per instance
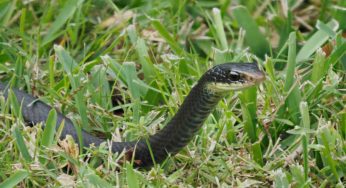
(121, 70)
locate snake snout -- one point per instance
(259, 76)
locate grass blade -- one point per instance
(318, 67)
(6, 11)
(124, 75)
(65, 13)
(340, 13)
(253, 37)
(48, 133)
(132, 179)
(280, 179)
(49, 130)
(304, 110)
(15, 106)
(315, 42)
(16, 178)
(291, 62)
(167, 36)
(70, 66)
(219, 28)
(248, 107)
(22, 25)
(97, 181)
(21, 145)
(143, 55)
(336, 56)
(294, 97)
(327, 153)
(131, 75)
(248, 123)
(326, 29)
(16, 110)
(342, 118)
(102, 94)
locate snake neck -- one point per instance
(183, 126)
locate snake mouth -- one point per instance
(255, 78)
(224, 87)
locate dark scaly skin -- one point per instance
(195, 109)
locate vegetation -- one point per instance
(120, 69)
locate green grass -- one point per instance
(121, 69)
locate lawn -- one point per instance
(121, 69)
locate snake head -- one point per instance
(233, 76)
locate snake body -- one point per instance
(200, 102)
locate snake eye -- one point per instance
(234, 76)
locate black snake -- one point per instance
(200, 102)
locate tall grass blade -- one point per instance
(280, 179)
(16, 110)
(124, 75)
(304, 110)
(249, 107)
(316, 41)
(131, 76)
(326, 29)
(48, 133)
(49, 130)
(294, 97)
(70, 67)
(340, 13)
(65, 13)
(132, 180)
(15, 106)
(15, 179)
(318, 67)
(219, 28)
(6, 11)
(342, 118)
(291, 62)
(327, 153)
(167, 36)
(339, 52)
(143, 55)
(21, 145)
(253, 37)
(97, 181)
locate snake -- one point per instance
(215, 84)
